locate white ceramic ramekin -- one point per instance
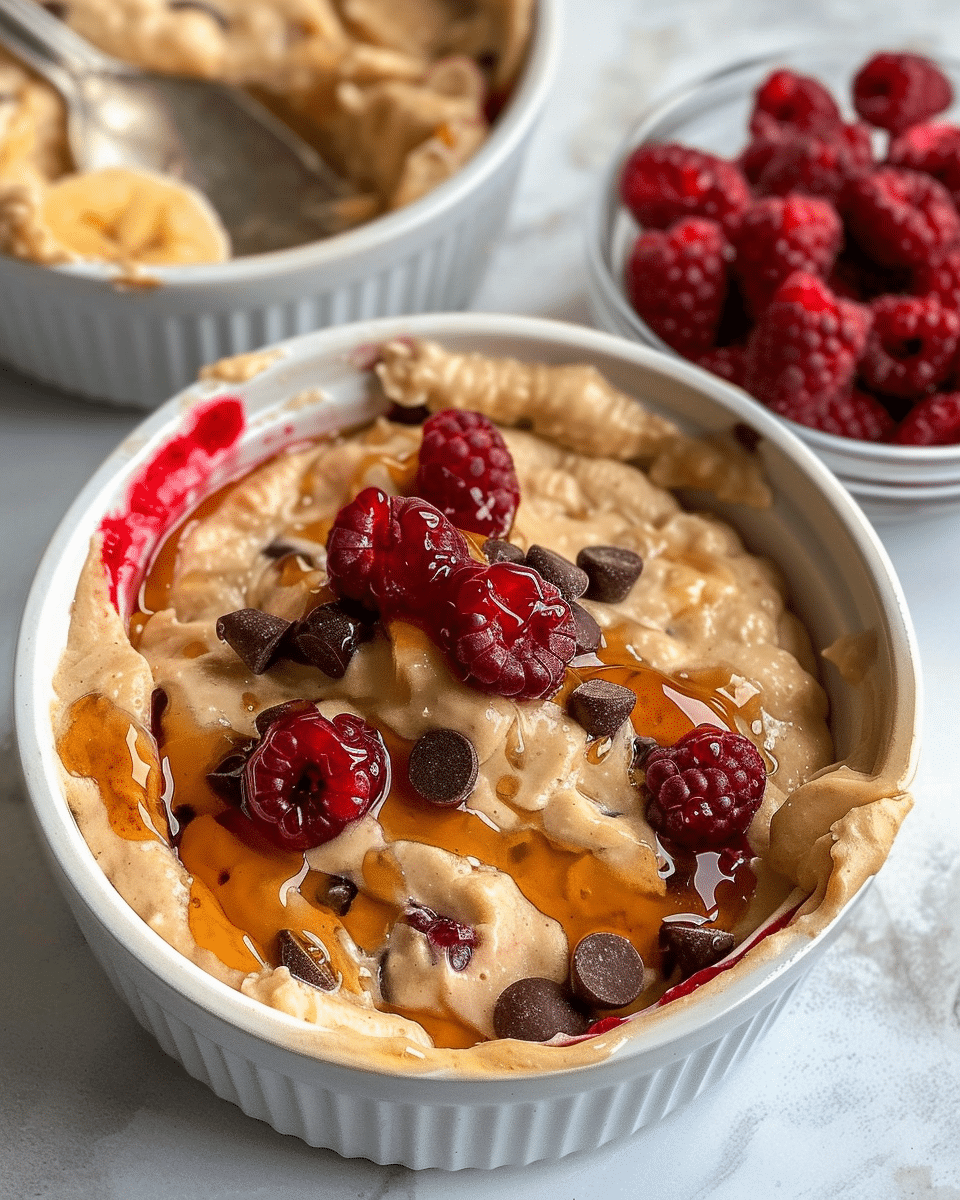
(891, 482)
(72, 327)
(840, 581)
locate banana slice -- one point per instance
(133, 217)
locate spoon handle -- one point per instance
(46, 44)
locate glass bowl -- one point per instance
(891, 482)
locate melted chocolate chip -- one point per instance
(606, 971)
(600, 706)
(588, 631)
(443, 767)
(326, 638)
(569, 580)
(747, 436)
(225, 779)
(535, 1010)
(223, 877)
(279, 549)
(158, 706)
(200, 6)
(305, 961)
(337, 894)
(183, 814)
(612, 571)
(265, 719)
(254, 635)
(691, 947)
(498, 550)
(403, 414)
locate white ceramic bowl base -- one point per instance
(840, 581)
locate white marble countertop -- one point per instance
(855, 1091)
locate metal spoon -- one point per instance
(270, 188)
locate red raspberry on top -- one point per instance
(466, 471)
(901, 218)
(384, 550)
(705, 789)
(934, 421)
(933, 149)
(911, 345)
(507, 630)
(661, 184)
(795, 101)
(894, 91)
(777, 235)
(308, 777)
(677, 282)
(804, 348)
(820, 162)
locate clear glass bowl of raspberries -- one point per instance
(791, 224)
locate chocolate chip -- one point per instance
(337, 894)
(404, 414)
(443, 767)
(254, 635)
(600, 706)
(305, 961)
(588, 631)
(612, 570)
(158, 706)
(497, 550)
(606, 971)
(326, 638)
(225, 779)
(691, 947)
(199, 6)
(279, 549)
(266, 718)
(641, 748)
(747, 436)
(568, 579)
(184, 814)
(535, 1010)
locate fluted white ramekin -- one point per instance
(72, 327)
(840, 581)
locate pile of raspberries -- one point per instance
(819, 275)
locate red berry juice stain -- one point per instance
(162, 490)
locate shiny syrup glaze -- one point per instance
(245, 890)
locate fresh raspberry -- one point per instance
(940, 276)
(795, 101)
(384, 550)
(894, 91)
(454, 939)
(901, 218)
(818, 163)
(661, 184)
(857, 277)
(466, 471)
(805, 347)
(507, 630)
(308, 778)
(677, 282)
(910, 347)
(778, 235)
(705, 788)
(934, 421)
(855, 414)
(725, 361)
(933, 149)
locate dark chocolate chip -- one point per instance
(497, 550)
(405, 414)
(183, 814)
(641, 748)
(535, 1010)
(305, 961)
(254, 635)
(199, 6)
(568, 579)
(225, 779)
(265, 719)
(612, 570)
(326, 638)
(158, 706)
(600, 706)
(691, 947)
(337, 894)
(588, 631)
(443, 767)
(223, 877)
(606, 971)
(747, 436)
